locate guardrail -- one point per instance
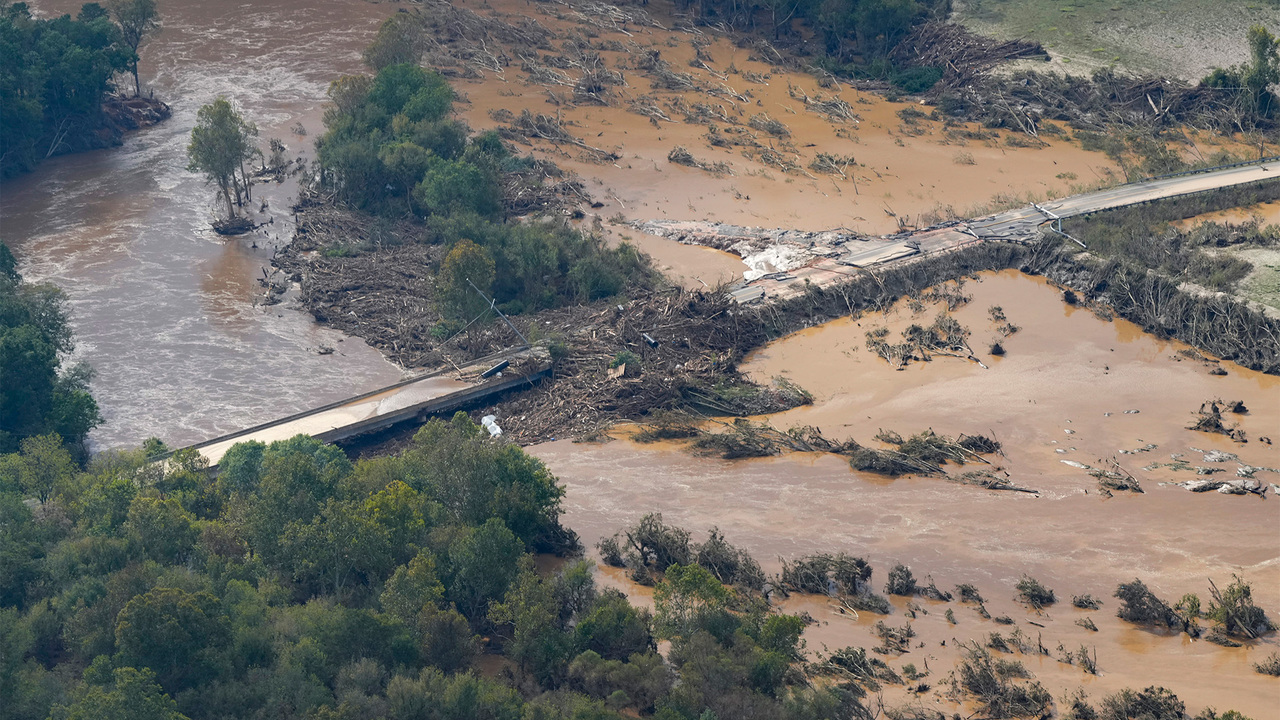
(337, 403)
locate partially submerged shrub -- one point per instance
(992, 683)
(1153, 703)
(1269, 666)
(1034, 593)
(730, 565)
(825, 574)
(1234, 610)
(1140, 605)
(901, 581)
(1086, 602)
(968, 593)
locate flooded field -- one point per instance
(1060, 393)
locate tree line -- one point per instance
(299, 584)
(42, 401)
(55, 73)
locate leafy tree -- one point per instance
(131, 694)
(37, 394)
(413, 587)
(137, 20)
(44, 466)
(20, 549)
(239, 469)
(295, 478)
(54, 74)
(538, 643)
(686, 592)
(472, 479)
(221, 143)
(1251, 82)
(339, 543)
(467, 264)
(482, 565)
(446, 639)
(161, 529)
(172, 632)
(399, 42)
(615, 629)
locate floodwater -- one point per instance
(164, 309)
(1064, 371)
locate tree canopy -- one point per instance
(54, 74)
(38, 394)
(137, 19)
(221, 143)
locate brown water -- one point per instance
(1064, 371)
(163, 308)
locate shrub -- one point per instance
(901, 581)
(1034, 593)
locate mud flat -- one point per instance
(1064, 371)
(906, 166)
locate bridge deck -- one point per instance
(380, 409)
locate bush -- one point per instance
(1033, 593)
(901, 581)
(1153, 703)
(991, 682)
(1140, 605)
(1234, 610)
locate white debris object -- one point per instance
(488, 422)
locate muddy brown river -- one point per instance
(168, 314)
(164, 309)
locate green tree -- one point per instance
(161, 529)
(131, 694)
(538, 641)
(221, 143)
(413, 587)
(483, 562)
(467, 264)
(54, 74)
(339, 543)
(37, 394)
(174, 633)
(399, 41)
(446, 640)
(137, 20)
(45, 466)
(685, 593)
(20, 549)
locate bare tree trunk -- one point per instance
(226, 193)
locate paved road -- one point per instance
(397, 403)
(1015, 224)
(1021, 221)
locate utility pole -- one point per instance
(493, 305)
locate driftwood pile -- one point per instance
(962, 55)
(1105, 101)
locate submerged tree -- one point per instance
(137, 20)
(221, 142)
